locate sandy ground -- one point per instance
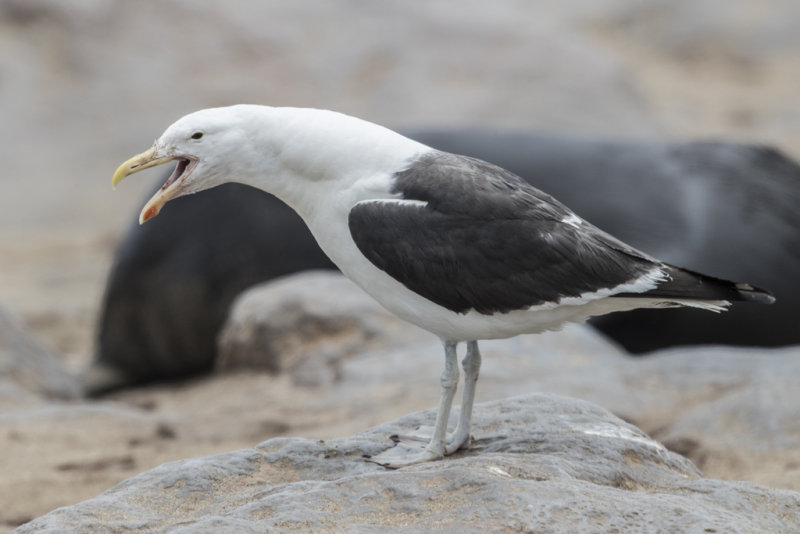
(54, 264)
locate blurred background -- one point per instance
(86, 83)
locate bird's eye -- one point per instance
(197, 135)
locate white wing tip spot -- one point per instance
(572, 220)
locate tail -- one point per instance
(686, 287)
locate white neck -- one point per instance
(318, 157)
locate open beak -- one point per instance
(170, 189)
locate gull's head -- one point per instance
(209, 146)
(288, 152)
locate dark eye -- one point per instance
(197, 135)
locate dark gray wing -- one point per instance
(486, 240)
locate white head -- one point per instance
(274, 149)
(208, 145)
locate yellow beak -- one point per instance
(137, 163)
(140, 162)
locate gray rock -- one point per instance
(28, 364)
(733, 412)
(539, 463)
(730, 410)
(307, 325)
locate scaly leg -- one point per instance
(472, 367)
(403, 455)
(449, 382)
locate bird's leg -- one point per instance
(404, 454)
(472, 366)
(449, 382)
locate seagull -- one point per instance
(455, 245)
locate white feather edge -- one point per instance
(644, 283)
(406, 201)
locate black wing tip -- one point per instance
(686, 284)
(754, 294)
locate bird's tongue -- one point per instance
(176, 173)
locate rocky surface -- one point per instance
(307, 326)
(731, 412)
(26, 363)
(539, 463)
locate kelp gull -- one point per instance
(455, 245)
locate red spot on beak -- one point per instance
(151, 212)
